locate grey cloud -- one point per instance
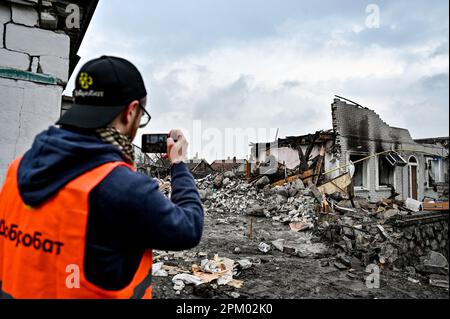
(224, 103)
(437, 82)
(164, 35)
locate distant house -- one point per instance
(199, 167)
(238, 166)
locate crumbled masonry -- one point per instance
(278, 236)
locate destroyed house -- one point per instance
(312, 152)
(381, 160)
(390, 158)
(39, 42)
(437, 170)
(237, 166)
(199, 168)
(142, 161)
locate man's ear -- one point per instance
(128, 113)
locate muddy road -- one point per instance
(279, 275)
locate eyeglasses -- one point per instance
(145, 119)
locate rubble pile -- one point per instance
(218, 271)
(359, 233)
(290, 203)
(388, 235)
(356, 234)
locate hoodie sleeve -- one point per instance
(129, 207)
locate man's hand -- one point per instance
(176, 151)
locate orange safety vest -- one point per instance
(42, 249)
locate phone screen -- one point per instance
(154, 143)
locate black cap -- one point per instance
(103, 88)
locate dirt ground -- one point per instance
(277, 275)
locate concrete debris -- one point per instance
(413, 205)
(229, 175)
(234, 295)
(357, 227)
(157, 270)
(262, 182)
(436, 259)
(433, 263)
(358, 232)
(245, 263)
(172, 270)
(383, 232)
(219, 269)
(181, 280)
(345, 260)
(279, 244)
(340, 266)
(289, 203)
(352, 275)
(411, 270)
(263, 247)
(257, 210)
(290, 250)
(439, 281)
(391, 213)
(218, 181)
(210, 266)
(225, 279)
(301, 225)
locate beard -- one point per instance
(134, 127)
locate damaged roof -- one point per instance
(319, 138)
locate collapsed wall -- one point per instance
(360, 133)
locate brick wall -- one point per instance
(26, 46)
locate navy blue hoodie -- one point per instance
(127, 212)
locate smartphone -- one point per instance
(154, 143)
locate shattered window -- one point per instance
(432, 170)
(358, 176)
(385, 172)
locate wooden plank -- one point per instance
(339, 184)
(435, 206)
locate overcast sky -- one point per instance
(252, 64)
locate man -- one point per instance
(76, 220)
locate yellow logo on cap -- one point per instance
(85, 80)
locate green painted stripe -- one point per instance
(27, 76)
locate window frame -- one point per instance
(428, 167)
(365, 171)
(377, 176)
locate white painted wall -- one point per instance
(25, 46)
(26, 109)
